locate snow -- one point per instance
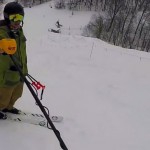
(101, 90)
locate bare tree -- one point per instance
(114, 8)
(140, 20)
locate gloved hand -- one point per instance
(8, 46)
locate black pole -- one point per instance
(57, 133)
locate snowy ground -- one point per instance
(101, 90)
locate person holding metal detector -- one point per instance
(12, 42)
(13, 65)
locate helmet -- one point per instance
(12, 8)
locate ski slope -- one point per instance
(101, 90)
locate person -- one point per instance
(58, 25)
(11, 86)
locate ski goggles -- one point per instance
(16, 17)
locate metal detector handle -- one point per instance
(57, 133)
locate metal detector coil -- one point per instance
(8, 46)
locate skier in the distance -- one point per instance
(58, 25)
(11, 86)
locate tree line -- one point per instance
(30, 3)
(124, 23)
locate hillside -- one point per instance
(101, 90)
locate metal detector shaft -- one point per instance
(62, 144)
